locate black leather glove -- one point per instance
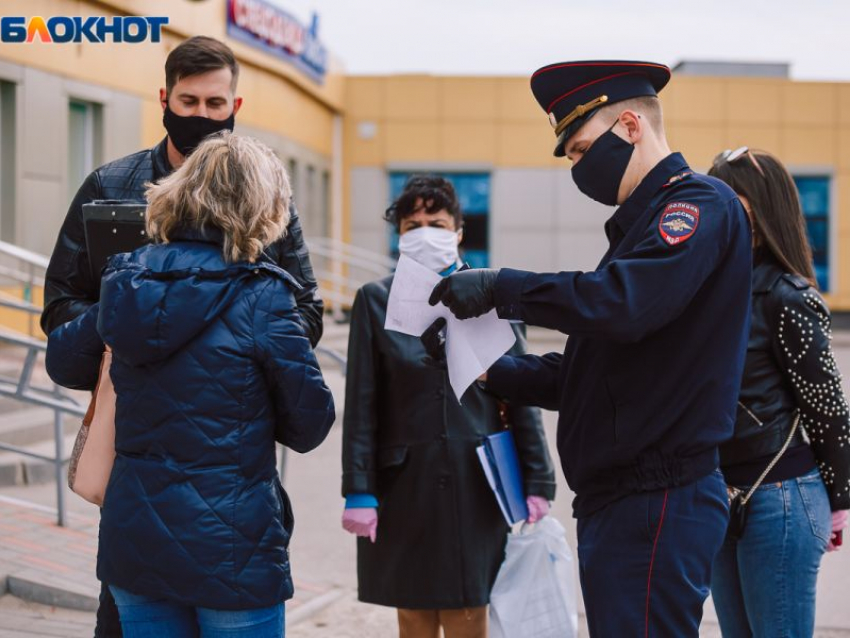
(467, 293)
(434, 340)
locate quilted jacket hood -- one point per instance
(151, 306)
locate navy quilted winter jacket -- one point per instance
(210, 366)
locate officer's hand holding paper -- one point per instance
(472, 346)
(467, 294)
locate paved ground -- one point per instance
(323, 556)
(55, 566)
(21, 618)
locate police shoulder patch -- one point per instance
(678, 222)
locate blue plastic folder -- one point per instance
(499, 459)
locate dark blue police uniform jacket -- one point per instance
(647, 386)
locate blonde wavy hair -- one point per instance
(233, 183)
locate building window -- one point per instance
(292, 169)
(473, 191)
(312, 217)
(310, 192)
(7, 161)
(814, 197)
(326, 203)
(85, 141)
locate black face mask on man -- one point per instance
(600, 171)
(187, 132)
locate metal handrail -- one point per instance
(359, 262)
(342, 257)
(30, 273)
(24, 306)
(343, 248)
(342, 269)
(339, 359)
(23, 277)
(23, 389)
(24, 255)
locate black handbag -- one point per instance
(738, 499)
(737, 513)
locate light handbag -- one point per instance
(94, 448)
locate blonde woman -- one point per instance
(210, 366)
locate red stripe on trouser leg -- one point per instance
(652, 560)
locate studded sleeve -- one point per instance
(803, 346)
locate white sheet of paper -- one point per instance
(408, 310)
(472, 345)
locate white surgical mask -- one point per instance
(434, 248)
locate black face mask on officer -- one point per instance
(187, 132)
(601, 169)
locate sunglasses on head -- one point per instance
(730, 156)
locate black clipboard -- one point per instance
(111, 227)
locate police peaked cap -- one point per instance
(572, 92)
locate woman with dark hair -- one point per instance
(431, 535)
(788, 464)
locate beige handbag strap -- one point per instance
(775, 460)
(92, 404)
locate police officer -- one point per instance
(647, 386)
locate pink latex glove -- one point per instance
(362, 521)
(839, 522)
(538, 507)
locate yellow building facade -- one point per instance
(349, 141)
(474, 124)
(51, 90)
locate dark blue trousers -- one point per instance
(645, 560)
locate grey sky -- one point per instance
(514, 37)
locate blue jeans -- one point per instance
(146, 617)
(764, 583)
(645, 560)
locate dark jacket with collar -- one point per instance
(789, 367)
(210, 367)
(407, 440)
(70, 288)
(647, 386)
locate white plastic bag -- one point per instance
(535, 591)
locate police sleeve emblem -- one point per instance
(678, 222)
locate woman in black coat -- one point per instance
(432, 536)
(790, 450)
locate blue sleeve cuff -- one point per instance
(509, 285)
(355, 501)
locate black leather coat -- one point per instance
(407, 440)
(790, 366)
(69, 286)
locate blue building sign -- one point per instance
(271, 29)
